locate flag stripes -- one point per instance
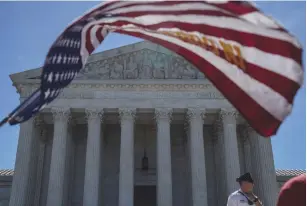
(254, 62)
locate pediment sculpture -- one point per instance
(142, 64)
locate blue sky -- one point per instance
(29, 28)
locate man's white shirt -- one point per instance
(237, 199)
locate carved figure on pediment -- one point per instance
(103, 71)
(145, 71)
(187, 72)
(175, 68)
(200, 75)
(117, 69)
(160, 66)
(131, 69)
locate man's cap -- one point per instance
(245, 178)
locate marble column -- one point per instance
(25, 164)
(219, 158)
(210, 165)
(197, 155)
(58, 157)
(93, 157)
(247, 153)
(164, 163)
(263, 167)
(230, 147)
(126, 165)
(40, 166)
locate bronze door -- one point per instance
(145, 195)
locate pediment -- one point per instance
(143, 60)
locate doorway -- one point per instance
(145, 195)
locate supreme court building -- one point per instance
(139, 126)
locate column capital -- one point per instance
(94, 114)
(127, 113)
(228, 115)
(163, 113)
(60, 114)
(38, 121)
(195, 113)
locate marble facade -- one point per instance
(86, 148)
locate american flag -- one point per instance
(252, 60)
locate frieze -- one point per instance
(142, 64)
(133, 91)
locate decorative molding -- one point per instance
(127, 113)
(94, 114)
(141, 64)
(60, 114)
(186, 127)
(92, 90)
(228, 115)
(163, 113)
(38, 121)
(195, 113)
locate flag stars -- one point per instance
(52, 93)
(45, 76)
(50, 76)
(56, 77)
(64, 59)
(61, 77)
(59, 59)
(19, 119)
(36, 108)
(47, 93)
(69, 60)
(53, 59)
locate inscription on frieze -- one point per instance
(143, 64)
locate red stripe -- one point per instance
(158, 3)
(262, 121)
(287, 89)
(88, 43)
(266, 44)
(99, 34)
